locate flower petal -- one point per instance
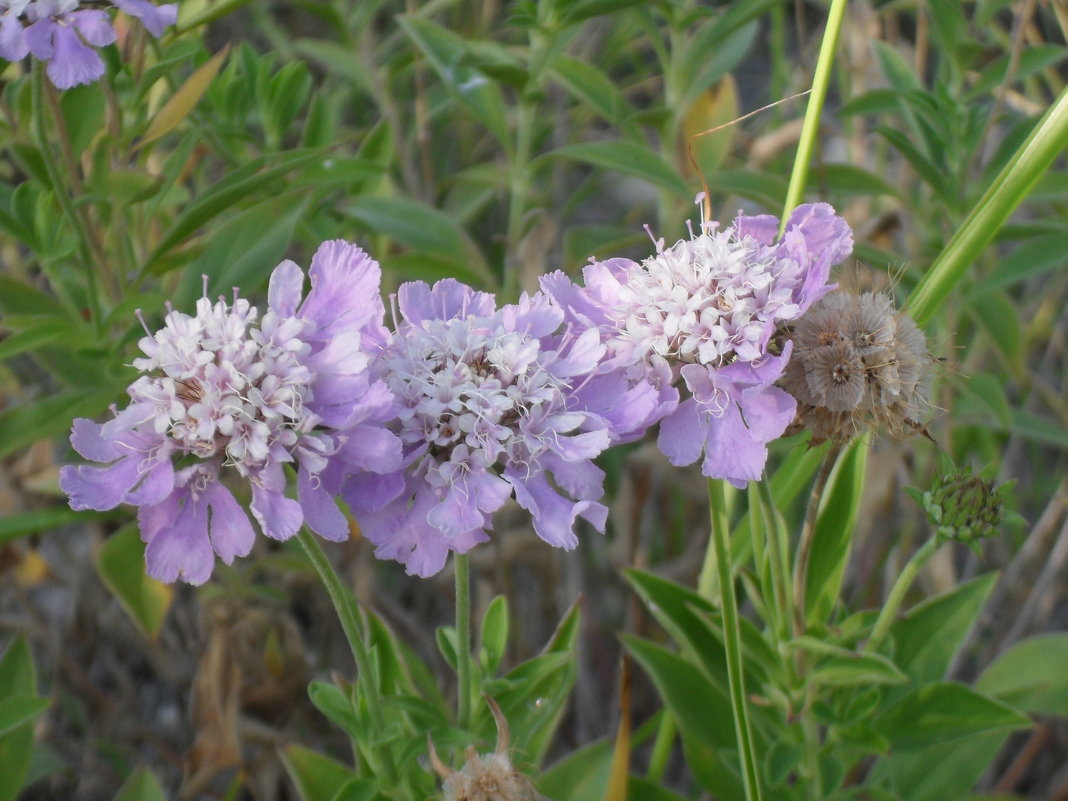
(285, 288)
(182, 550)
(320, 509)
(279, 517)
(230, 531)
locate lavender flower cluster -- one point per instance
(426, 430)
(63, 33)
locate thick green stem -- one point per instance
(732, 640)
(810, 128)
(463, 639)
(897, 593)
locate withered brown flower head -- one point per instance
(858, 364)
(485, 777)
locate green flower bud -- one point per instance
(964, 506)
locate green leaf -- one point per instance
(141, 786)
(834, 529)
(17, 297)
(336, 706)
(579, 776)
(121, 565)
(533, 694)
(927, 637)
(1005, 193)
(701, 712)
(22, 525)
(877, 101)
(942, 711)
(590, 85)
(446, 53)
(1038, 429)
(340, 60)
(494, 636)
(17, 678)
(1039, 256)
(990, 391)
(226, 193)
(925, 168)
(578, 10)
(31, 338)
(995, 313)
(83, 111)
(840, 667)
(629, 158)
(896, 69)
(940, 770)
(182, 102)
(767, 189)
(419, 227)
(244, 251)
(317, 777)
(708, 58)
(847, 180)
(1033, 58)
(23, 425)
(1032, 675)
(18, 710)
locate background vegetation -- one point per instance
(493, 142)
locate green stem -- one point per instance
(897, 593)
(662, 745)
(55, 176)
(808, 535)
(810, 128)
(1005, 193)
(777, 559)
(348, 615)
(732, 640)
(463, 639)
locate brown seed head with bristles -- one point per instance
(857, 363)
(484, 777)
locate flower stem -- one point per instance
(350, 624)
(808, 534)
(897, 593)
(463, 639)
(732, 641)
(55, 176)
(777, 559)
(810, 128)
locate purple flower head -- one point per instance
(64, 35)
(705, 310)
(228, 391)
(491, 407)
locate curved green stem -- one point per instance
(897, 593)
(349, 617)
(810, 128)
(808, 535)
(732, 640)
(463, 639)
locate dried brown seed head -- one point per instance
(858, 364)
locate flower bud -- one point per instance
(965, 507)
